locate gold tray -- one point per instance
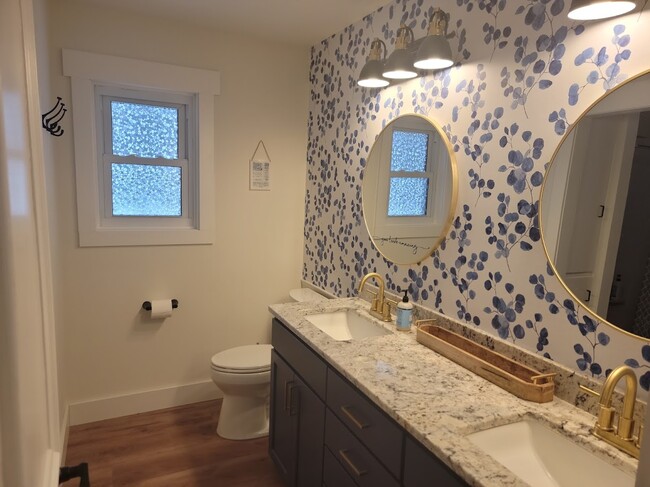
(512, 376)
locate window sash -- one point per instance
(106, 189)
(189, 177)
(108, 95)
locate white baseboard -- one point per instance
(140, 402)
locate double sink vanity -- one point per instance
(356, 403)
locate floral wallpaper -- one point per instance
(524, 73)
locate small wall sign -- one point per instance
(260, 170)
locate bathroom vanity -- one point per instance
(324, 431)
(386, 411)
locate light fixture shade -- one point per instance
(371, 75)
(434, 53)
(599, 9)
(400, 65)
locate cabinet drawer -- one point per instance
(333, 473)
(423, 469)
(381, 435)
(309, 366)
(358, 462)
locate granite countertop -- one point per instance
(437, 401)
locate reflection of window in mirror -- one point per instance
(410, 173)
(413, 162)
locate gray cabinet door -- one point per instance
(283, 444)
(423, 469)
(311, 431)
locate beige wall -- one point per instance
(109, 346)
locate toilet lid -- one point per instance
(305, 294)
(249, 358)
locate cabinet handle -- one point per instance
(292, 387)
(356, 470)
(357, 422)
(288, 392)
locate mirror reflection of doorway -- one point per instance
(597, 216)
(629, 302)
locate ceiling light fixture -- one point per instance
(599, 9)
(371, 73)
(434, 51)
(400, 63)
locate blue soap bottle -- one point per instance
(404, 313)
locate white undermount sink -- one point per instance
(543, 457)
(346, 325)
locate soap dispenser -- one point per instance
(404, 313)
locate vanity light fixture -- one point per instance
(400, 63)
(371, 74)
(431, 52)
(599, 9)
(434, 51)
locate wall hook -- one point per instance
(52, 118)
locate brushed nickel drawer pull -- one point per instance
(357, 422)
(356, 470)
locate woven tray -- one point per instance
(518, 379)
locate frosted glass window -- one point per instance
(144, 190)
(409, 151)
(144, 130)
(408, 196)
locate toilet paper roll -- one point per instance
(161, 308)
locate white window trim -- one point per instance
(88, 70)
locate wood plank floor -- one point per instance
(172, 447)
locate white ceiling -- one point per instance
(304, 22)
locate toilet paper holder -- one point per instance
(147, 305)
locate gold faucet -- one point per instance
(621, 436)
(379, 307)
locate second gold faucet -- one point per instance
(621, 436)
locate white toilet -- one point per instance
(244, 376)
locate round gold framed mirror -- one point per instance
(595, 208)
(409, 189)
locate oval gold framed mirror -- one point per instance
(595, 208)
(409, 189)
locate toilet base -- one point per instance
(243, 417)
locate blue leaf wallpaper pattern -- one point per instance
(523, 74)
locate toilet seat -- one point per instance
(248, 359)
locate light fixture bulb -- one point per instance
(371, 73)
(596, 10)
(435, 51)
(400, 63)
